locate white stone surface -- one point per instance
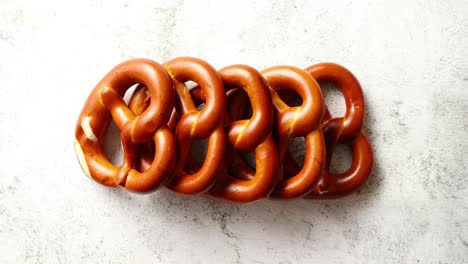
(410, 56)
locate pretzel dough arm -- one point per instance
(361, 167)
(117, 107)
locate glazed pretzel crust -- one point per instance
(343, 130)
(247, 135)
(105, 102)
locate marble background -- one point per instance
(411, 58)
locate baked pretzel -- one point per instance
(341, 130)
(236, 183)
(194, 124)
(105, 102)
(300, 121)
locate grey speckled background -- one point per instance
(410, 56)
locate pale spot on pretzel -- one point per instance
(82, 159)
(86, 126)
(102, 91)
(148, 94)
(169, 71)
(244, 126)
(192, 129)
(293, 121)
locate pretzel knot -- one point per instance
(343, 130)
(105, 102)
(300, 121)
(236, 182)
(194, 124)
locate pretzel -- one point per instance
(105, 102)
(300, 121)
(342, 130)
(194, 124)
(247, 135)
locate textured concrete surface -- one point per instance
(410, 56)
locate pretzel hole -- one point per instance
(333, 98)
(129, 93)
(245, 170)
(112, 145)
(341, 158)
(143, 162)
(290, 97)
(244, 114)
(239, 105)
(198, 150)
(249, 158)
(248, 112)
(197, 94)
(190, 85)
(200, 106)
(297, 149)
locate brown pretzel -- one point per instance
(300, 121)
(105, 102)
(194, 124)
(343, 130)
(248, 135)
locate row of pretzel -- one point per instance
(242, 111)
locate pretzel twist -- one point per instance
(105, 102)
(340, 130)
(162, 106)
(300, 121)
(343, 130)
(247, 135)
